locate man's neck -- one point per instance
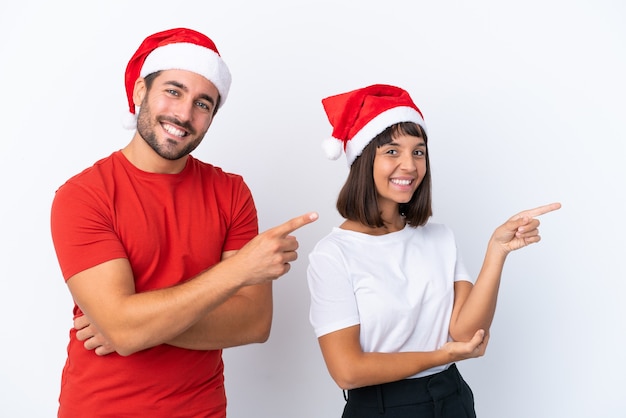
(142, 156)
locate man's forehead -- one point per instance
(187, 80)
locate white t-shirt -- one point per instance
(399, 287)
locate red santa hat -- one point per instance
(359, 115)
(176, 49)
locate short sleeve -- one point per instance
(82, 230)
(460, 271)
(333, 303)
(244, 220)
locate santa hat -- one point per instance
(359, 115)
(176, 49)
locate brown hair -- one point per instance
(358, 199)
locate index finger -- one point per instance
(540, 210)
(295, 223)
(81, 322)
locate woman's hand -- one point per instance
(476, 347)
(521, 229)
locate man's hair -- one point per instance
(149, 79)
(358, 199)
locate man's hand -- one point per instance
(267, 256)
(92, 337)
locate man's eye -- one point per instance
(202, 105)
(172, 92)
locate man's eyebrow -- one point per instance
(184, 88)
(207, 98)
(177, 84)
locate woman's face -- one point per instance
(399, 168)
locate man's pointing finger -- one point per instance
(295, 223)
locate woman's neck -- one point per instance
(395, 225)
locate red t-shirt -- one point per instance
(170, 227)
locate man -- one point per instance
(161, 251)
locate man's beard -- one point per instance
(167, 150)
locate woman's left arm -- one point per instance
(475, 305)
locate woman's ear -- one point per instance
(139, 91)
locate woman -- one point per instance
(392, 305)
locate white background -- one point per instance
(525, 104)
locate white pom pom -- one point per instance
(332, 148)
(129, 120)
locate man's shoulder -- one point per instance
(215, 171)
(102, 168)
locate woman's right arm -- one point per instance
(352, 368)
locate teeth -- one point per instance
(173, 131)
(401, 182)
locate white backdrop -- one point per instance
(525, 105)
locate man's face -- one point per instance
(176, 112)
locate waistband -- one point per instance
(409, 391)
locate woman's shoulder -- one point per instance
(436, 227)
(434, 231)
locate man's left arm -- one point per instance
(245, 318)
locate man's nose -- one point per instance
(184, 110)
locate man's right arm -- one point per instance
(132, 321)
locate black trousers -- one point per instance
(442, 395)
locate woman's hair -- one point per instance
(358, 199)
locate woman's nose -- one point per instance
(407, 162)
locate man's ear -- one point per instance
(139, 91)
